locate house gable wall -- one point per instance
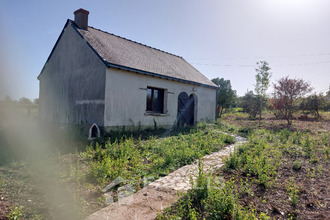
(72, 82)
(125, 100)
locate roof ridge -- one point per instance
(135, 42)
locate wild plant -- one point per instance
(249, 167)
(313, 173)
(232, 161)
(313, 158)
(320, 170)
(297, 137)
(284, 135)
(293, 192)
(101, 170)
(245, 187)
(307, 145)
(264, 216)
(210, 199)
(326, 152)
(16, 213)
(257, 158)
(222, 203)
(296, 165)
(325, 139)
(75, 172)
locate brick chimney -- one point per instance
(81, 18)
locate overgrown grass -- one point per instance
(254, 168)
(138, 160)
(257, 158)
(133, 159)
(209, 199)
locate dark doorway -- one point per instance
(191, 110)
(94, 132)
(186, 109)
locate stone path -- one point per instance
(160, 194)
(179, 180)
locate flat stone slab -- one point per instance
(180, 179)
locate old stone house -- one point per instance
(94, 77)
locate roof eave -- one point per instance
(158, 75)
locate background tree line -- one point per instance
(289, 97)
(23, 108)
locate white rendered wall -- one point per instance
(125, 100)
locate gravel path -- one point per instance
(146, 203)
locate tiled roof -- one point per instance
(122, 52)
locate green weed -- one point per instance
(320, 170)
(293, 192)
(208, 199)
(264, 216)
(16, 213)
(284, 135)
(296, 165)
(231, 162)
(257, 158)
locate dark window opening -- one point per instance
(95, 132)
(155, 100)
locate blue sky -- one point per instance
(221, 38)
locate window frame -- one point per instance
(150, 104)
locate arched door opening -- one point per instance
(191, 110)
(94, 132)
(186, 110)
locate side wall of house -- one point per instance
(72, 83)
(126, 100)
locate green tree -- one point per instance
(262, 84)
(25, 101)
(249, 103)
(226, 95)
(313, 104)
(36, 101)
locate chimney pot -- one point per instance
(81, 18)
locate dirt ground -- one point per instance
(314, 196)
(301, 122)
(144, 204)
(4, 207)
(312, 179)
